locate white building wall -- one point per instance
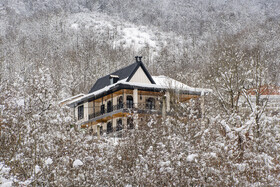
(86, 107)
(140, 77)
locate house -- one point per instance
(115, 97)
(269, 97)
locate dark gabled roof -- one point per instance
(126, 72)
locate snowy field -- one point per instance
(4, 182)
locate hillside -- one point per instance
(52, 49)
(162, 32)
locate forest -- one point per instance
(54, 49)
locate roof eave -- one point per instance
(120, 86)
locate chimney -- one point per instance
(138, 58)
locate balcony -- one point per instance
(143, 108)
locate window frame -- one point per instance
(119, 125)
(109, 106)
(120, 102)
(81, 112)
(129, 101)
(150, 103)
(110, 130)
(130, 124)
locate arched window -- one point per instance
(109, 106)
(129, 101)
(150, 103)
(102, 109)
(109, 127)
(120, 102)
(119, 125)
(130, 124)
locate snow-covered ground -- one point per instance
(4, 182)
(8, 181)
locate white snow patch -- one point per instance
(48, 161)
(167, 82)
(75, 26)
(122, 33)
(241, 167)
(225, 125)
(37, 169)
(20, 102)
(213, 155)
(191, 157)
(77, 163)
(162, 163)
(133, 37)
(7, 184)
(3, 181)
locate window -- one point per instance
(119, 125)
(81, 112)
(150, 103)
(109, 127)
(102, 109)
(120, 102)
(130, 124)
(114, 79)
(91, 131)
(129, 101)
(101, 130)
(109, 106)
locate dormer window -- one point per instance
(114, 79)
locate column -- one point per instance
(163, 106)
(202, 106)
(86, 111)
(167, 101)
(135, 97)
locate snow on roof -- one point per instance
(106, 88)
(162, 82)
(167, 82)
(69, 99)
